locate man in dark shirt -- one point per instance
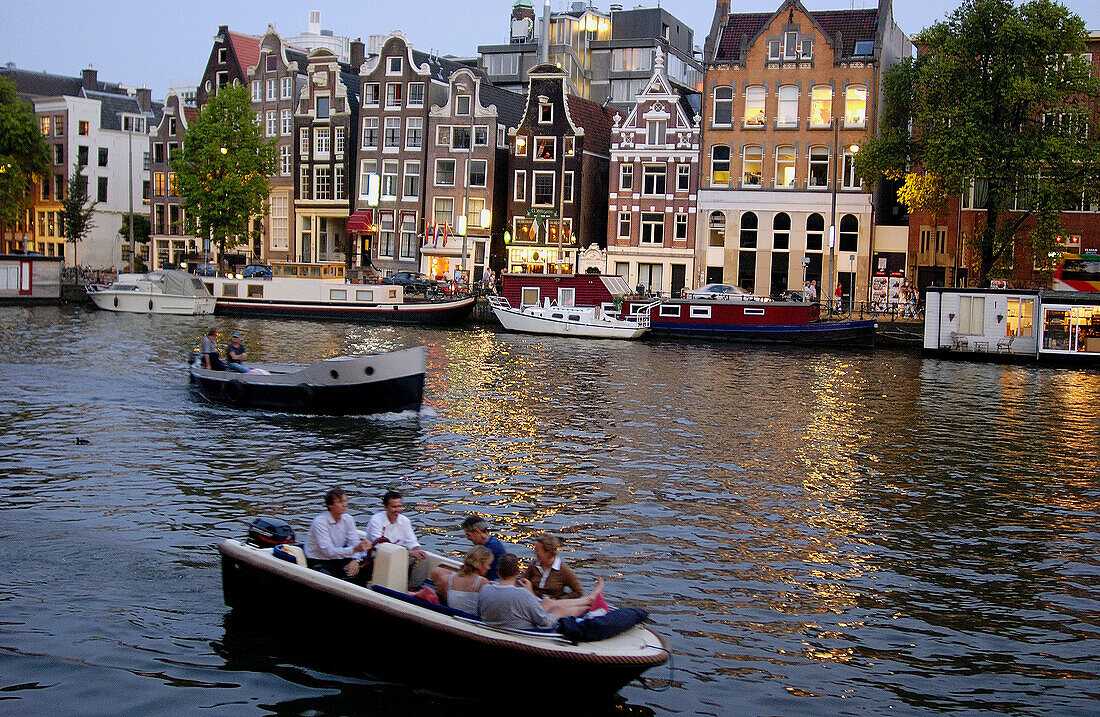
(236, 355)
(477, 531)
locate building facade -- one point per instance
(654, 174)
(169, 241)
(788, 96)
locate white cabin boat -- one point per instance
(166, 291)
(582, 321)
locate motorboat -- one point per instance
(550, 318)
(166, 291)
(442, 648)
(389, 382)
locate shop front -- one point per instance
(1070, 326)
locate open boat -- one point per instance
(549, 318)
(440, 647)
(345, 385)
(166, 291)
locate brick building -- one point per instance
(169, 242)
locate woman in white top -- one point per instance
(459, 590)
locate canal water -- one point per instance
(814, 532)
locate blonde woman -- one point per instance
(459, 590)
(549, 575)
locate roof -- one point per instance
(246, 48)
(31, 84)
(851, 24)
(510, 106)
(440, 68)
(596, 122)
(112, 106)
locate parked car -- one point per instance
(413, 281)
(723, 292)
(207, 269)
(256, 271)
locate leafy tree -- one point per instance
(999, 99)
(77, 208)
(24, 157)
(223, 168)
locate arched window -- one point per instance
(848, 238)
(781, 231)
(723, 106)
(754, 106)
(788, 106)
(815, 232)
(821, 106)
(752, 165)
(720, 165)
(855, 106)
(749, 225)
(717, 229)
(784, 166)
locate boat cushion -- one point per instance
(290, 553)
(590, 629)
(413, 600)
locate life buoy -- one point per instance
(304, 397)
(233, 392)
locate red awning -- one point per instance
(361, 221)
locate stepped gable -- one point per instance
(852, 25)
(596, 122)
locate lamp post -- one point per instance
(832, 220)
(130, 172)
(852, 286)
(805, 269)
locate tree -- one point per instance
(223, 168)
(1000, 100)
(77, 208)
(142, 230)
(24, 157)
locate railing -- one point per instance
(872, 310)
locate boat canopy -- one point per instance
(178, 283)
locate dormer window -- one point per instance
(393, 65)
(546, 113)
(790, 45)
(864, 48)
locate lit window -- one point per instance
(784, 166)
(788, 106)
(821, 106)
(754, 107)
(720, 165)
(855, 106)
(753, 163)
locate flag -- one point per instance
(427, 232)
(435, 235)
(444, 234)
(534, 228)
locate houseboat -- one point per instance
(1013, 325)
(319, 291)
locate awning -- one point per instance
(361, 221)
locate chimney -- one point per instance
(544, 54)
(374, 44)
(145, 99)
(88, 79)
(358, 54)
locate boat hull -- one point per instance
(131, 302)
(455, 656)
(846, 333)
(516, 320)
(435, 313)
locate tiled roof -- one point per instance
(510, 106)
(111, 106)
(851, 24)
(42, 84)
(441, 68)
(246, 48)
(596, 122)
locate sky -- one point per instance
(159, 44)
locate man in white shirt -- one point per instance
(333, 545)
(394, 527)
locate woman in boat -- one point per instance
(549, 575)
(459, 590)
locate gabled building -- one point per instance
(467, 176)
(230, 57)
(397, 86)
(788, 96)
(654, 186)
(169, 241)
(558, 185)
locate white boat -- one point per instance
(166, 291)
(584, 321)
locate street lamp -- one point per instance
(805, 268)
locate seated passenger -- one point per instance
(211, 359)
(550, 576)
(512, 603)
(333, 545)
(459, 590)
(236, 355)
(477, 532)
(393, 526)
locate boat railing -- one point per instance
(641, 313)
(498, 302)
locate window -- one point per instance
(781, 231)
(303, 141)
(389, 179)
(322, 183)
(82, 154)
(753, 162)
(655, 132)
(849, 180)
(1019, 317)
(848, 238)
(806, 48)
(754, 107)
(462, 105)
(473, 212)
(416, 94)
(519, 192)
(45, 187)
(717, 229)
(477, 172)
(321, 142)
(774, 49)
(460, 138)
(287, 123)
(303, 182)
(864, 48)
(272, 124)
(972, 315)
(102, 156)
(272, 89)
(790, 45)
(567, 187)
(781, 263)
(821, 106)
(338, 141)
(815, 232)
(257, 90)
(322, 107)
(172, 129)
(101, 194)
(443, 212)
(653, 180)
(443, 136)
(521, 145)
(544, 189)
(681, 227)
(393, 65)
(370, 133)
(59, 187)
(393, 133)
(546, 113)
(683, 177)
(746, 270)
(481, 139)
(410, 189)
(545, 148)
(444, 172)
(784, 166)
(370, 94)
(288, 87)
(408, 236)
(285, 160)
(223, 54)
(393, 95)
(59, 126)
(626, 177)
(82, 128)
(719, 165)
(855, 106)
(632, 59)
(502, 64)
(624, 225)
(45, 122)
(723, 106)
(653, 228)
(414, 133)
(59, 153)
(819, 167)
(367, 175)
(385, 235)
(749, 225)
(158, 184)
(788, 106)
(173, 185)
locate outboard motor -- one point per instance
(265, 532)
